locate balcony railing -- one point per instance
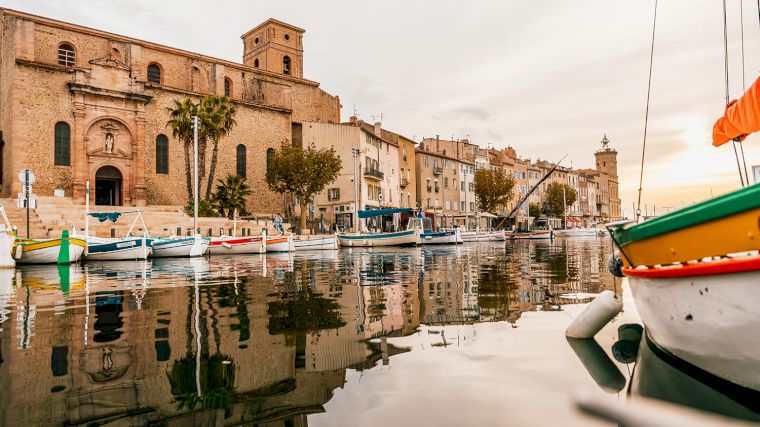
(373, 174)
(429, 188)
(437, 170)
(404, 182)
(436, 188)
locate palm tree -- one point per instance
(230, 195)
(221, 113)
(181, 124)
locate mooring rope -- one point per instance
(646, 113)
(744, 84)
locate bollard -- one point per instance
(597, 314)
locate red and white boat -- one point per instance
(279, 244)
(236, 245)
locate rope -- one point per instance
(646, 113)
(728, 97)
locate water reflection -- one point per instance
(254, 339)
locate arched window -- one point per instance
(256, 62)
(62, 145)
(154, 73)
(115, 54)
(270, 153)
(286, 65)
(241, 160)
(227, 87)
(162, 154)
(66, 55)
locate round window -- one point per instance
(256, 40)
(287, 37)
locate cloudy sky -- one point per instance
(547, 77)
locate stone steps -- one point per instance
(54, 214)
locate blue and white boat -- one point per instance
(434, 237)
(191, 246)
(114, 249)
(409, 237)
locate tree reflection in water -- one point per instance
(297, 309)
(217, 382)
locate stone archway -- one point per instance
(108, 186)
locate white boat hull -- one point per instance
(236, 245)
(451, 238)
(708, 321)
(362, 240)
(483, 236)
(315, 243)
(49, 255)
(577, 232)
(180, 247)
(99, 249)
(532, 235)
(280, 244)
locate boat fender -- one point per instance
(596, 315)
(226, 245)
(17, 251)
(615, 264)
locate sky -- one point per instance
(548, 77)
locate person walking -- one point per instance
(278, 224)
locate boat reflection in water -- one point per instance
(252, 338)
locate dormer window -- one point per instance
(66, 55)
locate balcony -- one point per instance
(373, 174)
(404, 182)
(437, 170)
(436, 188)
(429, 189)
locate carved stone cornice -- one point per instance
(96, 91)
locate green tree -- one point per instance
(493, 189)
(205, 209)
(219, 113)
(302, 173)
(230, 195)
(181, 123)
(534, 210)
(556, 200)
(217, 118)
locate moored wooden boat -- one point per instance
(368, 240)
(531, 235)
(483, 236)
(441, 237)
(179, 246)
(236, 245)
(130, 248)
(318, 243)
(279, 244)
(700, 311)
(48, 251)
(576, 232)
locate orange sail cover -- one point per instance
(741, 119)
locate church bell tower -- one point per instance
(606, 158)
(275, 46)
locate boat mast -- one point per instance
(87, 209)
(564, 207)
(196, 119)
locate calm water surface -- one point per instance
(449, 336)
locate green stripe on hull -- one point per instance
(716, 208)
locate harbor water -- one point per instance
(430, 336)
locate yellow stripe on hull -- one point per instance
(736, 233)
(31, 245)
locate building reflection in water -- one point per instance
(252, 339)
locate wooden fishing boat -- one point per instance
(130, 248)
(192, 246)
(576, 232)
(433, 237)
(483, 236)
(541, 231)
(369, 240)
(279, 244)
(236, 245)
(315, 243)
(49, 251)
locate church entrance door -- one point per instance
(108, 186)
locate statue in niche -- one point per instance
(109, 143)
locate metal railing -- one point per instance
(373, 173)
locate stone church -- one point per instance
(79, 104)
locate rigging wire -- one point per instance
(744, 84)
(646, 113)
(728, 97)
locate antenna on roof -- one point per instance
(374, 118)
(356, 112)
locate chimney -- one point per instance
(378, 131)
(352, 120)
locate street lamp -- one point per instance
(355, 154)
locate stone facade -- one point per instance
(115, 113)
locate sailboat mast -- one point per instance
(564, 207)
(196, 119)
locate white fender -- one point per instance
(597, 314)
